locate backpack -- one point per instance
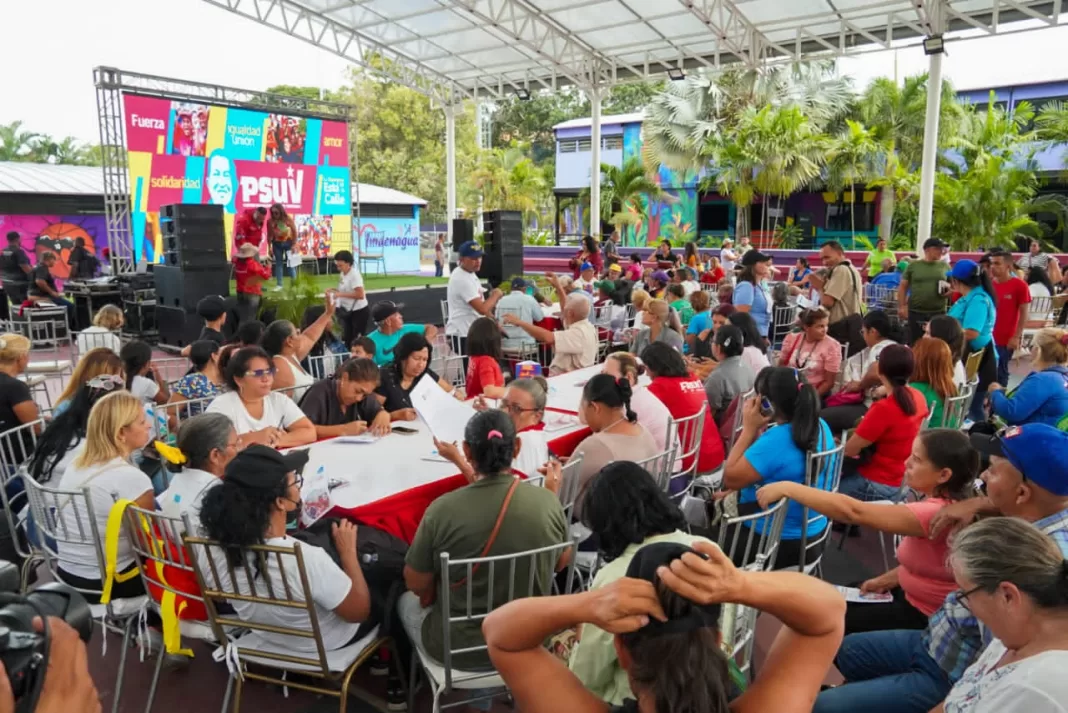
(381, 561)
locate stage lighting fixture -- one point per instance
(934, 44)
(523, 94)
(676, 74)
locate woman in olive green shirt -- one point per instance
(933, 377)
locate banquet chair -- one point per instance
(783, 320)
(522, 571)
(660, 466)
(971, 366)
(219, 583)
(526, 350)
(1040, 315)
(823, 470)
(736, 428)
(689, 431)
(171, 369)
(180, 411)
(760, 546)
(87, 341)
(586, 562)
(444, 312)
(163, 560)
(118, 616)
(16, 447)
(955, 409)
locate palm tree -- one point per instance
(626, 193)
(1052, 125)
(793, 153)
(853, 161)
(507, 179)
(16, 144)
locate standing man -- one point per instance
(391, 327)
(841, 294)
(922, 293)
(465, 299)
(15, 269)
(249, 273)
(874, 263)
(44, 285)
(248, 227)
(350, 298)
(439, 256)
(610, 247)
(1011, 302)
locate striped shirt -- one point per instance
(954, 637)
(1041, 260)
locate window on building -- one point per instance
(861, 219)
(585, 145)
(566, 146)
(612, 143)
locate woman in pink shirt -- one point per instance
(635, 271)
(812, 352)
(942, 469)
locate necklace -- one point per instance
(797, 360)
(613, 424)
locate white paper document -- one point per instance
(852, 594)
(445, 416)
(362, 438)
(316, 497)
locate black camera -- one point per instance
(24, 651)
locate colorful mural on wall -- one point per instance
(56, 233)
(674, 219)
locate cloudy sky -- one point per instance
(50, 48)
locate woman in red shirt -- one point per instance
(484, 376)
(714, 273)
(890, 426)
(684, 395)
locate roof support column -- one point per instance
(594, 93)
(450, 165)
(930, 131)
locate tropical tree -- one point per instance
(793, 151)
(1051, 125)
(626, 193)
(15, 143)
(853, 161)
(507, 179)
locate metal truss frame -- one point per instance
(518, 44)
(112, 83)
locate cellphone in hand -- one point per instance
(404, 430)
(766, 409)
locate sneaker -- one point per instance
(378, 666)
(396, 698)
(277, 288)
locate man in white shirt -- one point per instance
(523, 306)
(587, 277)
(465, 297)
(727, 256)
(575, 346)
(350, 298)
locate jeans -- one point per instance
(280, 266)
(439, 268)
(1004, 357)
(886, 672)
(860, 488)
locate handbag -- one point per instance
(845, 398)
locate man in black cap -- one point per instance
(391, 327)
(922, 293)
(212, 309)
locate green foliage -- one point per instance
(17, 144)
(296, 296)
(625, 193)
(788, 237)
(507, 179)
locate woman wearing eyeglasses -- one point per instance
(524, 402)
(259, 414)
(1014, 579)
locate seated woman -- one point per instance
(755, 352)
(812, 352)
(933, 377)
(142, 380)
(943, 467)
(206, 444)
(116, 428)
(203, 380)
(1042, 396)
(259, 414)
(259, 491)
(732, 377)
(102, 335)
(652, 413)
(287, 346)
(524, 401)
(862, 376)
(798, 277)
(677, 300)
(684, 396)
(63, 438)
(345, 404)
(463, 523)
(779, 454)
(625, 510)
(17, 406)
(1039, 285)
(656, 328)
(617, 435)
(93, 363)
(664, 615)
(948, 330)
(1012, 577)
(484, 375)
(890, 425)
(411, 360)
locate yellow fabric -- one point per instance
(170, 453)
(170, 609)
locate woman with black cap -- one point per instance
(665, 616)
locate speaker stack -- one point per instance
(502, 243)
(463, 230)
(194, 266)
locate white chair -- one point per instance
(221, 581)
(323, 366)
(529, 573)
(86, 341)
(16, 447)
(660, 466)
(955, 409)
(171, 369)
(46, 326)
(46, 507)
(689, 431)
(783, 319)
(823, 470)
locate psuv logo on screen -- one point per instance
(264, 190)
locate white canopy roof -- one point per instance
(454, 49)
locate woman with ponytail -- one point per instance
(617, 435)
(789, 408)
(886, 431)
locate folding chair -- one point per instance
(177, 412)
(16, 447)
(955, 409)
(971, 366)
(220, 581)
(660, 466)
(530, 573)
(586, 562)
(162, 559)
(67, 516)
(689, 431)
(85, 341)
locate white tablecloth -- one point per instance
(565, 390)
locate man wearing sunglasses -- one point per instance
(912, 671)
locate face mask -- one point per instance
(293, 517)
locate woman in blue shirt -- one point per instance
(976, 312)
(1042, 397)
(779, 454)
(750, 294)
(799, 274)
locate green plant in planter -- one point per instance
(788, 237)
(290, 302)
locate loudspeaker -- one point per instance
(502, 243)
(194, 235)
(177, 327)
(463, 230)
(182, 289)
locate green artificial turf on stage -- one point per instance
(370, 282)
